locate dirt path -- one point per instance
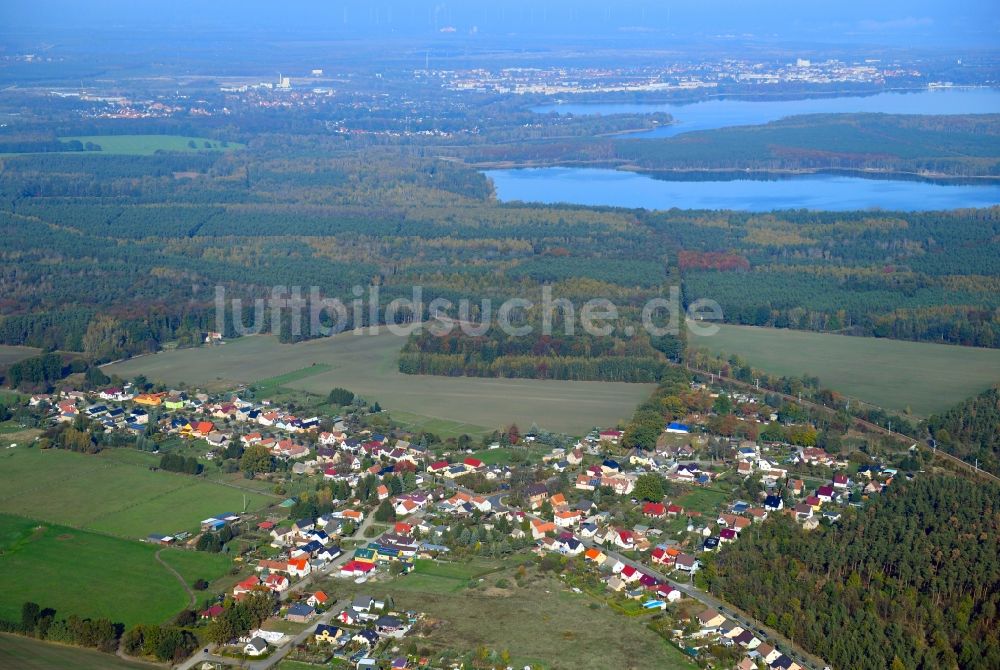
(191, 597)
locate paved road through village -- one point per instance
(283, 650)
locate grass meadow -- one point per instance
(10, 354)
(93, 575)
(367, 365)
(108, 495)
(542, 622)
(893, 374)
(147, 145)
(705, 500)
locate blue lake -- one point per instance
(722, 113)
(588, 186)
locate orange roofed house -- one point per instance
(540, 528)
(149, 399)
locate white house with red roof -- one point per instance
(249, 584)
(614, 436)
(623, 538)
(277, 583)
(437, 467)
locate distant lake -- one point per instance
(722, 113)
(596, 187)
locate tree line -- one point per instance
(41, 623)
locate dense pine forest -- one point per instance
(971, 430)
(911, 581)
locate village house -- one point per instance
(255, 647)
(317, 599)
(686, 563)
(774, 503)
(300, 613)
(539, 528)
(710, 621)
(803, 511)
(668, 593)
(654, 510)
(825, 493)
(612, 436)
(212, 612)
(327, 633)
(251, 583)
(567, 518)
(277, 583)
(537, 494)
(622, 537)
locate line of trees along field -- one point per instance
(910, 581)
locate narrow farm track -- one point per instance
(191, 597)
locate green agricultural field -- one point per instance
(893, 374)
(110, 495)
(367, 365)
(541, 623)
(92, 575)
(26, 653)
(271, 383)
(10, 354)
(186, 448)
(147, 145)
(441, 427)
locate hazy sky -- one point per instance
(892, 21)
